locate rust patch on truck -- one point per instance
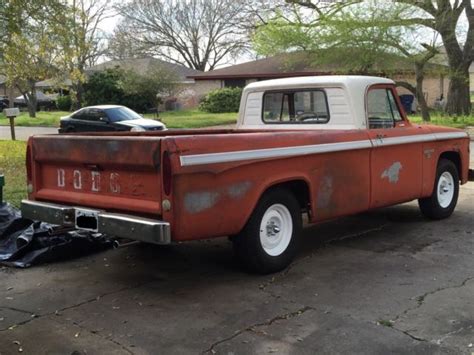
(196, 202)
(199, 201)
(238, 190)
(324, 192)
(392, 173)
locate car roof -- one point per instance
(103, 107)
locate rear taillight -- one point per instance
(28, 164)
(167, 173)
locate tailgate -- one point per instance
(111, 173)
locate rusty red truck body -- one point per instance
(326, 146)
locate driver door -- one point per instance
(396, 157)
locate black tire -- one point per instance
(248, 245)
(431, 207)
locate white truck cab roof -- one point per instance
(345, 99)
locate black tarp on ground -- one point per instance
(24, 242)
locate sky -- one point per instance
(109, 24)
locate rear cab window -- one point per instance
(295, 106)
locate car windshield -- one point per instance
(118, 114)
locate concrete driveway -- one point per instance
(387, 281)
(22, 133)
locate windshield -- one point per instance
(118, 114)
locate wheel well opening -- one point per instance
(300, 190)
(454, 157)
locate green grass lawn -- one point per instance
(12, 165)
(172, 119)
(437, 119)
(43, 118)
(195, 119)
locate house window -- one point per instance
(308, 106)
(234, 83)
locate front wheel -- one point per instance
(269, 240)
(443, 200)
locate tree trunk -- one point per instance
(420, 96)
(31, 100)
(77, 95)
(459, 97)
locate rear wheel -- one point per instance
(269, 240)
(443, 200)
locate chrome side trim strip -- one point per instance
(450, 135)
(284, 152)
(418, 138)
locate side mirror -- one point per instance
(104, 119)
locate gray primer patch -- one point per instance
(324, 192)
(392, 173)
(195, 202)
(238, 190)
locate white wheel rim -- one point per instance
(445, 189)
(276, 229)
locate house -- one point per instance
(184, 97)
(303, 64)
(5, 90)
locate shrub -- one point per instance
(222, 100)
(63, 103)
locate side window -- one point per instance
(94, 115)
(382, 109)
(295, 107)
(396, 113)
(81, 115)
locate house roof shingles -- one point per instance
(289, 65)
(142, 65)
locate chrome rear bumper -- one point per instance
(112, 224)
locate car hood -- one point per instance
(140, 122)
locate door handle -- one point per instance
(381, 136)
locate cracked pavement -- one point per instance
(387, 281)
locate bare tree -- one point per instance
(197, 33)
(123, 45)
(84, 40)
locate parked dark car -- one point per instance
(4, 102)
(105, 118)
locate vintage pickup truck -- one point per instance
(326, 146)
